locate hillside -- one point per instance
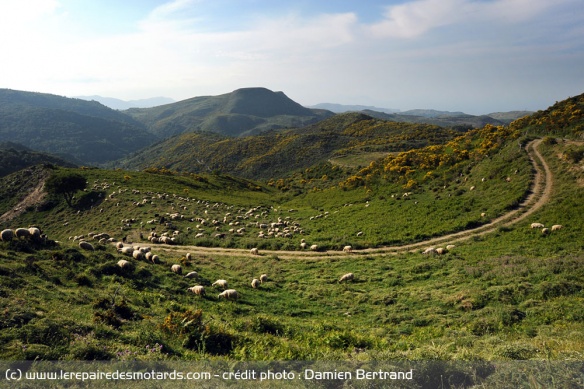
(501, 296)
(15, 157)
(73, 129)
(276, 154)
(242, 112)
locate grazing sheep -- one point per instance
(138, 255)
(229, 294)
(472, 188)
(303, 245)
(86, 245)
(545, 231)
(124, 264)
(7, 235)
(188, 256)
(441, 250)
(127, 251)
(347, 277)
(557, 227)
(450, 247)
(360, 233)
(314, 247)
(483, 214)
(263, 278)
(537, 225)
(22, 233)
(255, 283)
(148, 256)
(155, 259)
(348, 249)
(220, 283)
(35, 233)
(119, 245)
(429, 250)
(254, 251)
(198, 290)
(176, 268)
(192, 274)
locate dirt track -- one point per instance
(541, 190)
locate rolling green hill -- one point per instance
(74, 129)
(244, 111)
(508, 293)
(277, 154)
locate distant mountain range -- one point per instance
(341, 108)
(90, 133)
(123, 104)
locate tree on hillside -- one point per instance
(66, 185)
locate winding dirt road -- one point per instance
(540, 194)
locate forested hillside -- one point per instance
(244, 111)
(277, 154)
(14, 157)
(73, 129)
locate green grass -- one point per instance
(510, 295)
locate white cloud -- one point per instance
(415, 18)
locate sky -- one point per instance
(475, 56)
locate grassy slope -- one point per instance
(513, 294)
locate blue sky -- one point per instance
(476, 56)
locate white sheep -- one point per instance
(545, 231)
(254, 251)
(557, 227)
(220, 283)
(255, 283)
(119, 245)
(176, 268)
(347, 277)
(138, 255)
(229, 294)
(192, 274)
(127, 251)
(263, 278)
(22, 233)
(303, 245)
(155, 259)
(314, 247)
(450, 247)
(124, 264)
(441, 250)
(429, 250)
(348, 249)
(537, 225)
(7, 235)
(188, 256)
(86, 245)
(198, 290)
(35, 232)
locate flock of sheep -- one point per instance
(545, 230)
(31, 233)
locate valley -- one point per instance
(503, 291)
